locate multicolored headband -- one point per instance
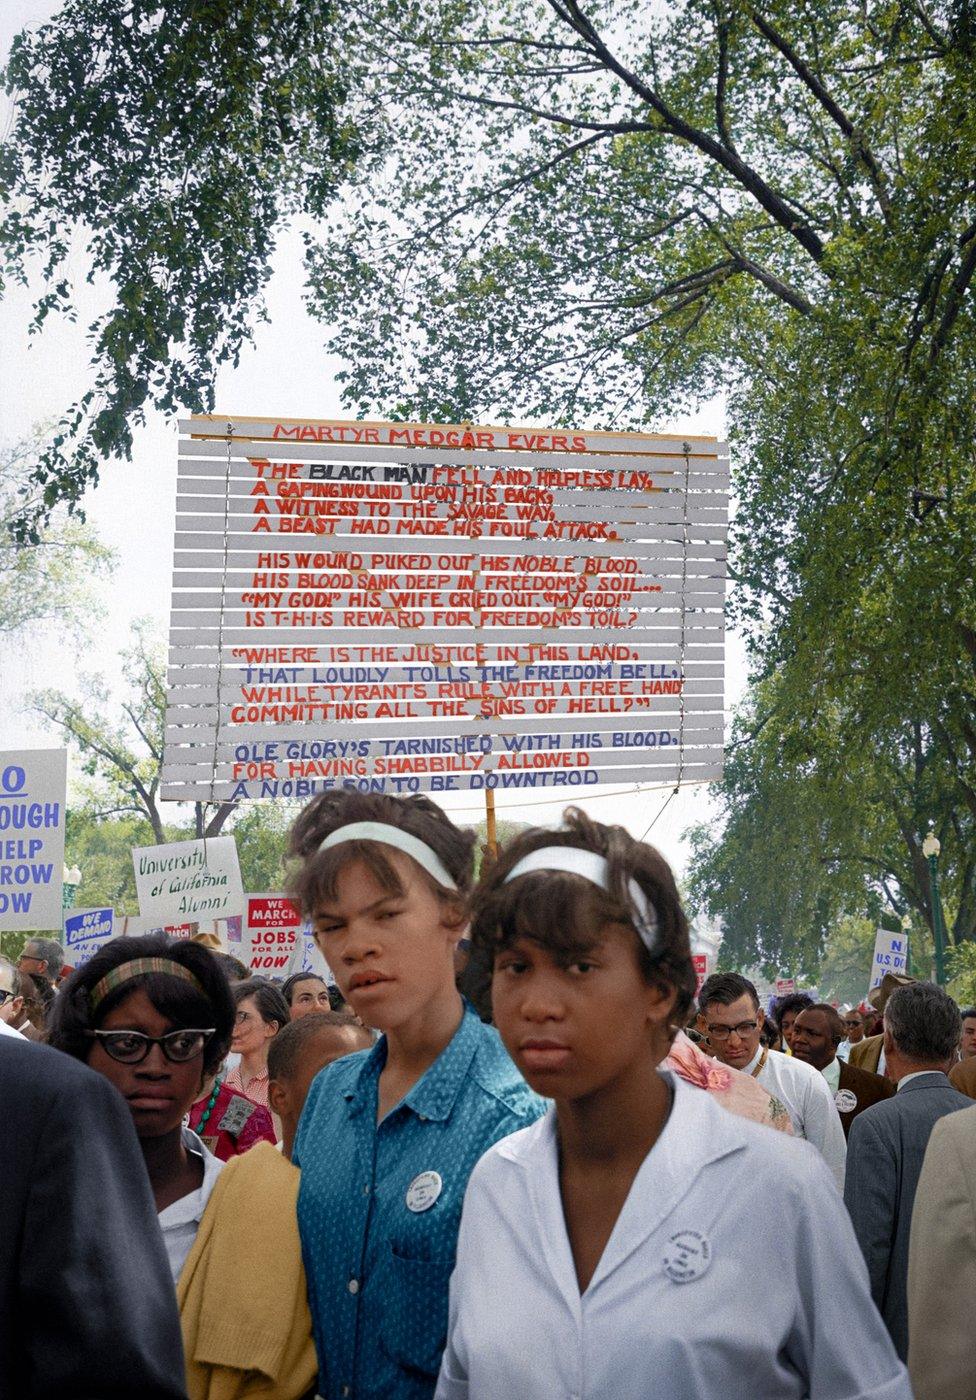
(400, 840)
(136, 968)
(593, 867)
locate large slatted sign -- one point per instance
(403, 608)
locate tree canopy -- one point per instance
(121, 743)
(51, 577)
(170, 139)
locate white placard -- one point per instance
(383, 585)
(33, 785)
(890, 955)
(189, 880)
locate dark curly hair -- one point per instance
(172, 997)
(315, 872)
(566, 912)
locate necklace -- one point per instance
(762, 1061)
(209, 1108)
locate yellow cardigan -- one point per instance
(247, 1330)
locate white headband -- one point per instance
(401, 840)
(594, 868)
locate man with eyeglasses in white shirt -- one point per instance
(731, 1020)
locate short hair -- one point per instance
(316, 872)
(967, 1013)
(270, 1003)
(208, 1004)
(793, 1001)
(924, 1022)
(726, 988)
(287, 1047)
(49, 950)
(16, 978)
(566, 912)
(290, 983)
(833, 1019)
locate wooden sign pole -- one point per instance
(491, 839)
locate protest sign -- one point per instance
(785, 986)
(890, 955)
(700, 961)
(308, 958)
(188, 879)
(32, 810)
(85, 931)
(134, 924)
(272, 935)
(400, 607)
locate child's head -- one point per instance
(385, 882)
(296, 1055)
(593, 958)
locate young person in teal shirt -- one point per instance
(389, 1136)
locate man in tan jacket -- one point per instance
(942, 1264)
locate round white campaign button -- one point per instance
(423, 1191)
(846, 1101)
(687, 1257)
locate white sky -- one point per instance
(285, 373)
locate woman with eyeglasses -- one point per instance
(261, 1013)
(155, 1017)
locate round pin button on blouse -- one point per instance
(845, 1100)
(687, 1257)
(423, 1191)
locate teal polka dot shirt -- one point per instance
(378, 1244)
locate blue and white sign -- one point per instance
(890, 955)
(85, 931)
(32, 802)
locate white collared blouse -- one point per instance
(677, 1307)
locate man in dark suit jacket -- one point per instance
(817, 1032)
(87, 1307)
(888, 1141)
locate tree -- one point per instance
(173, 138)
(48, 579)
(125, 755)
(813, 828)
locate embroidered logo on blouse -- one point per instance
(687, 1257)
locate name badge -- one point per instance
(688, 1256)
(846, 1100)
(423, 1191)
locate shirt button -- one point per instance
(353, 1285)
(347, 1390)
(366, 1189)
(422, 1117)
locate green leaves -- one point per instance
(174, 138)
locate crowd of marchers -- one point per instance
(512, 1152)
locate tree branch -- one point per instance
(572, 15)
(831, 107)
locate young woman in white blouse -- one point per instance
(610, 1250)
